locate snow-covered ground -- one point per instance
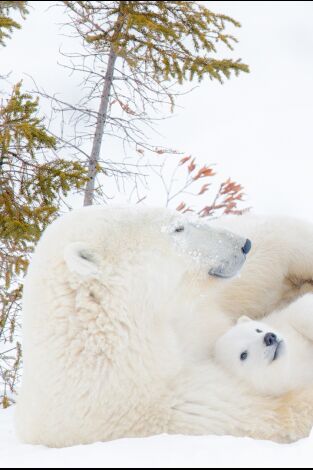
(156, 452)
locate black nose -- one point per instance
(270, 339)
(247, 247)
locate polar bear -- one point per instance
(121, 310)
(274, 356)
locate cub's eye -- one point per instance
(244, 356)
(179, 229)
(259, 331)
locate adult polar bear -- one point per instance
(121, 309)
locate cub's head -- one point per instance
(255, 354)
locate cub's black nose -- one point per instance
(247, 247)
(270, 339)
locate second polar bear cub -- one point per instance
(275, 356)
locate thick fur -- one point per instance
(121, 316)
(278, 366)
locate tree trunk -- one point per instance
(101, 121)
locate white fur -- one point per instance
(272, 369)
(121, 315)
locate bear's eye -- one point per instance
(179, 229)
(244, 356)
(259, 331)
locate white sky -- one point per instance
(257, 128)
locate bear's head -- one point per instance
(255, 354)
(162, 243)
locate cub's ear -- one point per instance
(80, 259)
(244, 319)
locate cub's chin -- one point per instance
(279, 350)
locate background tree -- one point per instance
(134, 54)
(33, 182)
(7, 23)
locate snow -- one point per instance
(155, 452)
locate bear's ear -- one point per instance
(244, 319)
(80, 260)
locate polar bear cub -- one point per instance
(275, 356)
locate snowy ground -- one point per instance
(157, 452)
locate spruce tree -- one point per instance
(148, 44)
(7, 23)
(33, 181)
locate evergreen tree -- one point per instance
(8, 24)
(147, 44)
(33, 181)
